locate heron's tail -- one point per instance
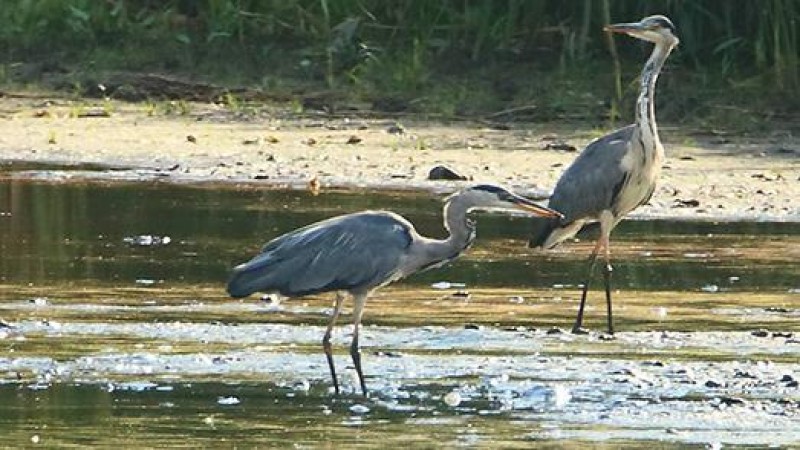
(542, 229)
(250, 277)
(240, 284)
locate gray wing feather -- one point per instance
(356, 251)
(591, 182)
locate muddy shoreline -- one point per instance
(707, 175)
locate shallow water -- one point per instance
(122, 337)
(71, 232)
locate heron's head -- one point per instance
(490, 196)
(657, 29)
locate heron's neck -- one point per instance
(461, 229)
(645, 105)
(461, 232)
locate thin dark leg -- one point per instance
(576, 329)
(326, 340)
(355, 352)
(607, 277)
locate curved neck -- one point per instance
(461, 233)
(456, 222)
(645, 104)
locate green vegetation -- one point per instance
(737, 63)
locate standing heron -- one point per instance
(617, 172)
(360, 252)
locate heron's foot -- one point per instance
(607, 337)
(579, 330)
(364, 391)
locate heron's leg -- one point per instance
(326, 340)
(592, 258)
(607, 278)
(355, 352)
(607, 223)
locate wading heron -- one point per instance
(615, 173)
(360, 252)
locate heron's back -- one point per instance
(588, 187)
(351, 252)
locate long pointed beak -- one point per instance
(624, 27)
(527, 205)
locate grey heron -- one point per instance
(360, 252)
(615, 173)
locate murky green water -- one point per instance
(53, 233)
(119, 343)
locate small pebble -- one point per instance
(559, 145)
(653, 363)
(147, 240)
(272, 299)
(303, 386)
(359, 409)
(452, 399)
(731, 401)
(228, 400)
(388, 354)
(444, 173)
(447, 285)
(741, 374)
(441, 285)
(396, 129)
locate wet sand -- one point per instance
(707, 175)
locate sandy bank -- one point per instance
(707, 175)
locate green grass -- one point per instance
(448, 57)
